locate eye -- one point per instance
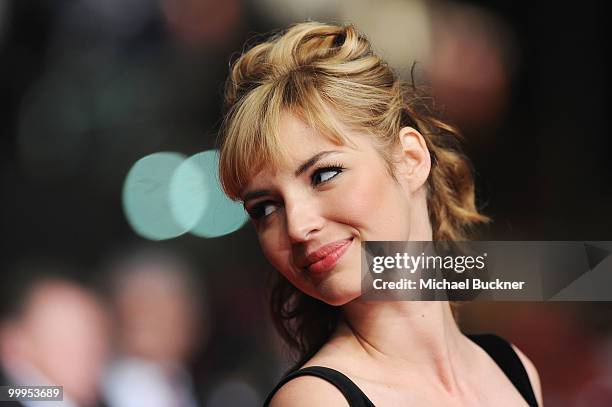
(325, 174)
(262, 209)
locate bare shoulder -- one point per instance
(307, 391)
(532, 372)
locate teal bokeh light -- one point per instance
(145, 196)
(198, 202)
(188, 193)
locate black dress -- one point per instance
(498, 348)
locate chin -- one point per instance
(338, 296)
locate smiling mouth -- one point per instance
(326, 258)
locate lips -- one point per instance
(326, 257)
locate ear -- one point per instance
(413, 161)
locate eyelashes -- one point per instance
(319, 176)
(261, 209)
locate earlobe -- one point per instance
(414, 159)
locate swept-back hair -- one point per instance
(325, 74)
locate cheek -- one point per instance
(277, 249)
(272, 246)
(375, 205)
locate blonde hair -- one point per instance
(325, 74)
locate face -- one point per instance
(156, 313)
(312, 215)
(66, 332)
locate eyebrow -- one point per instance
(312, 161)
(300, 170)
(256, 194)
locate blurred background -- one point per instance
(128, 278)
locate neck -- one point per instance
(402, 336)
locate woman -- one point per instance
(327, 149)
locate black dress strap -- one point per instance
(506, 358)
(352, 393)
(498, 348)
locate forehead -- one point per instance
(301, 142)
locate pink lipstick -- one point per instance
(326, 258)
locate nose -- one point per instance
(303, 219)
